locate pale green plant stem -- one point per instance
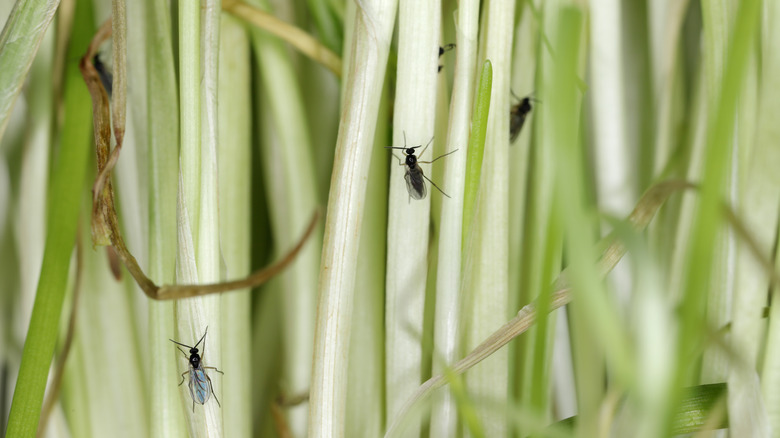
(105, 329)
(754, 190)
(67, 181)
(447, 319)
(119, 68)
(291, 189)
(132, 170)
(19, 42)
(163, 141)
(541, 246)
(166, 419)
(327, 400)
(561, 108)
(30, 214)
(665, 26)
(716, 176)
(365, 411)
(408, 220)
(366, 394)
(611, 154)
(489, 265)
(327, 26)
(189, 110)
(234, 221)
(717, 23)
(198, 257)
(767, 138)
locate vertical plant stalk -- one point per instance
(446, 331)
(119, 83)
(366, 394)
(613, 161)
(768, 137)
(562, 106)
(30, 216)
(665, 27)
(327, 400)
(198, 257)
(408, 220)
(488, 266)
(235, 111)
(702, 255)
(19, 42)
(535, 228)
(189, 109)
(291, 190)
(754, 189)
(166, 417)
(68, 178)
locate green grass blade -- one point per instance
(68, 182)
(476, 151)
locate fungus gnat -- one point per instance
(414, 173)
(443, 50)
(105, 74)
(200, 383)
(517, 116)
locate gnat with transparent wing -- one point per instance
(200, 382)
(414, 174)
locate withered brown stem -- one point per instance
(105, 223)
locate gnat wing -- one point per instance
(415, 183)
(516, 121)
(200, 390)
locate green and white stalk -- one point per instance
(408, 220)
(447, 332)
(198, 257)
(703, 257)
(29, 219)
(489, 277)
(106, 332)
(235, 187)
(611, 154)
(754, 189)
(291, 190)
(536, 234)
(327, 399)
(366, 395)
(664, 28)
(768, 134)
(166, 416)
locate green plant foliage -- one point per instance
(603, 274)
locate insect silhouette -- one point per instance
(443, 50)
(518, 114)
(104, 72)
(414, 173)
(200, 382)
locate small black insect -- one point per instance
(443, 50)
(105, 74)
(517, 116)
(200, 382)
(414, 173)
